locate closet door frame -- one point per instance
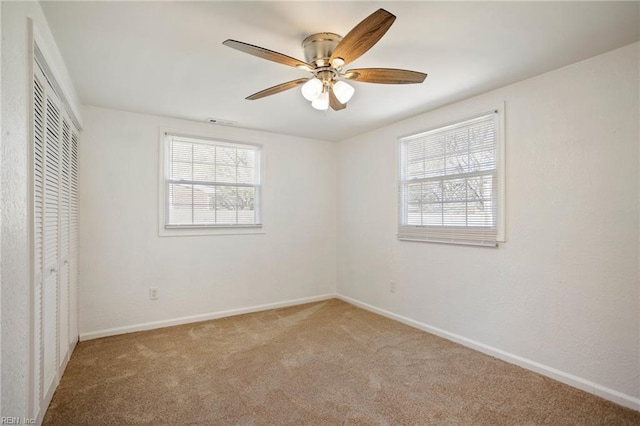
(39, 397)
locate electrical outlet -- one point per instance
(392, 286)
(153, 293)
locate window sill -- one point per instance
(176, 231)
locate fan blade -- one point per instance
(277, 89)
(362, 37)
(270, 55)
(334, 102)
(385, 76)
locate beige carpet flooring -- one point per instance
(326, 363)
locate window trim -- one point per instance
(165, 230)
(498, 109)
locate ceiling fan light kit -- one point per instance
(317, 92)
(325, 55)
(321, 102)
(343, 91)
(312, 89)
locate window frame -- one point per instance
(165, 229)
(500, 185)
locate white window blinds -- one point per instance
(450, 189)
(211, 183)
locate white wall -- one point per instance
(121, 254)
(563, 291)
(15, 233)
(0, 212)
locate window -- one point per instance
(210, 184)
(451, 183)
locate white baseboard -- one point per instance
(202, 317)
(561, 376)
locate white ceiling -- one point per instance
(167, 58)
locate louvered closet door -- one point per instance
(51, 229)
(63, 264)
(38, 210)
(55, 239)
(73, 238)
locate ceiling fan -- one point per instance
(326, 54)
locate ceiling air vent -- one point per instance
(221, 121)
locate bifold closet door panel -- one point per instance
(73, 239)
(50, 242)
(39, 113)
(63, 265)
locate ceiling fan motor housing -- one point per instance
(319, 47)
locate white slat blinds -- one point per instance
(211, 183)
(449, 187)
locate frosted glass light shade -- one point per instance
(343, 91)
(321, 102)
(312, 89)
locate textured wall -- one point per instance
(121, 254)
(1, 130)
(15, 250)
(563, 290)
